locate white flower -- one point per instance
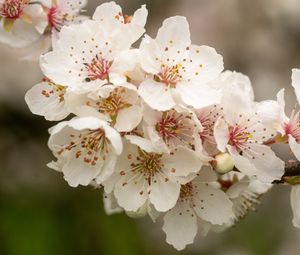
(200, 202)
(290, 128)
(88, 147)
(178, 71)
(172, 128)
(111, 16)
(242, 133)
(143, 173)
(244, 193)
(22, 22)
(117, 104)
(87, 56)
(295, 202)
(48, 99)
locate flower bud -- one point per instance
(223, 163)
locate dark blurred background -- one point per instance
(40, 214)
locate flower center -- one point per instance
(238, 136)
(147, 163)
(12, 9)
(186, 191)
(89, 146)
(112, 104)
(56, 18)
(174, 126)
(98, 69)
(168, 75)
(293, 126)
(56, 89)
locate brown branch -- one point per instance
(292, 170)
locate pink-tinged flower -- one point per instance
(22, 22)
(178, 72)
(172, 128)
(86, 149)
(48, 99)
(87, 56)
(242, 133)
(290, 126)
(201, 203)
(144, 173)
(63, 12)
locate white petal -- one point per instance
(130, 191)
(107, 11)
(269, 166)
(49, 105)
(156, 95)
(212, 205)
(181, 162)
(143, 143)
(295, 203)
(110, 204)
(128, 118)
(77, 172)
(203, 64)
(296, 83)
(174, 33)
(163, 193)
(180, 225)
(197, 95)
(295, 147)
(221, 134)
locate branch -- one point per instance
(292, 173)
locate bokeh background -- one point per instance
(40, 214)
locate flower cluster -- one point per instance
(34, 25)
(161, 127)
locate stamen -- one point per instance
(169, 75)
(12, 9)
(98, 69)
(149, 164)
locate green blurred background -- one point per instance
(40, 214)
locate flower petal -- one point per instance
(295, 203)
(180, 225)
(181, 162)
(156, 95)
(212, 205)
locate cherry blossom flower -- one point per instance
(143, 173)
(290, 130)
(200, 202)
(244, 192)
(87, 56)
(172, 128)
(178, 72)
(118, 105)
(88, 147)
(241, 132)
(22, 22)
(290, 126)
